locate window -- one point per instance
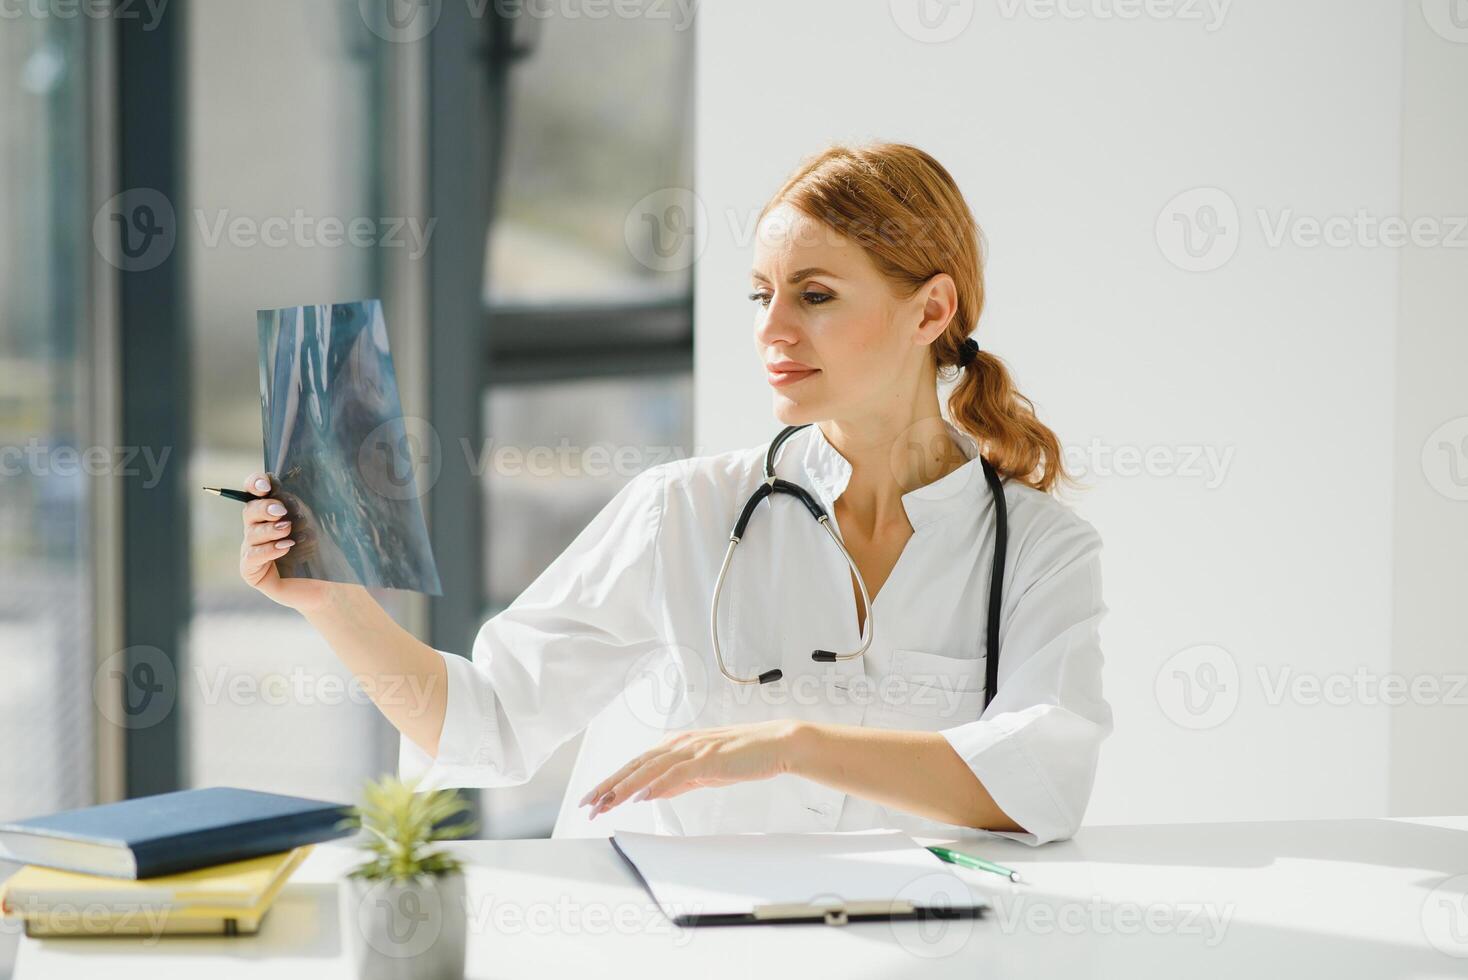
(282, 126)
(46, 472)
(588, 288)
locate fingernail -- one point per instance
(275, 510)
(587, 798)
(282, 545)
(282, 525)
(262, 485)
(640, 795)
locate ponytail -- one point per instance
(985, 404)
(906, 212)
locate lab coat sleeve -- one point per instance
(1036, 746)
(547, 664)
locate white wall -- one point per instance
(1070, 136)
(1430, 516)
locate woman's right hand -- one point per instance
(267, 538)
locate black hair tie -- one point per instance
(968, 352)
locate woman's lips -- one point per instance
(793, 375)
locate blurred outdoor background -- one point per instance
(317, 115)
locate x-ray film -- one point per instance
(345, 461)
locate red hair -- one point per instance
(905, 211)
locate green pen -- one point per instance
(976, 863)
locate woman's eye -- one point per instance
(814, 299)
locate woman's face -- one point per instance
(835, 341)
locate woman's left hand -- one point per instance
(696, 759)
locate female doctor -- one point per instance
(867, 284)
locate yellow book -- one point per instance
(226, 899)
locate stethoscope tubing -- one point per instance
(773, 486)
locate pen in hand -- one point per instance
(239, 495)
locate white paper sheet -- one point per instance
(732, 874)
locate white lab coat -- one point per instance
(626, 605)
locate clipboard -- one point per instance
(754, 879)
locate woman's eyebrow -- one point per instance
(797, 275)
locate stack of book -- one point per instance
(204, 861)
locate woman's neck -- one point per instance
(891, 454)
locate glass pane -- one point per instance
(555, 453)
(46, 710)
(599, 118)
(280, 150)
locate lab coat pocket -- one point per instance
(927, 691)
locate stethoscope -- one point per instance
(774, 485)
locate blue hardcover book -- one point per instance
(171, 832)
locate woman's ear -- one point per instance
(939, 298)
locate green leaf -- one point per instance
(401, 824)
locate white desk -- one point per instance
(1338, 898)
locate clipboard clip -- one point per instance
(835, 913)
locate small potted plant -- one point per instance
(403, 909)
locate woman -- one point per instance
(867, 282)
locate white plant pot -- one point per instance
(405, 930)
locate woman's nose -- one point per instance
(776, 324)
